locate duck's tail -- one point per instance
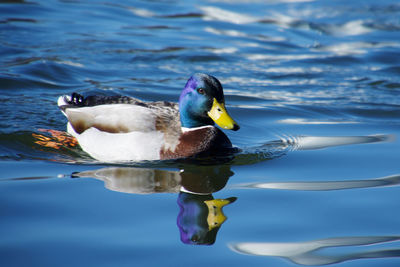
(74, 100)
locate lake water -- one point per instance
(314, 85)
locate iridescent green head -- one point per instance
(202, 103)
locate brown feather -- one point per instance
(191, 143)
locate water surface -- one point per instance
(314, 85)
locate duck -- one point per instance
(122, 128)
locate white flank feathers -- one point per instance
(116, 147)
(139, 141)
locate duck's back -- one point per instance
(117, 114)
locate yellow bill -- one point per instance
(221, 117)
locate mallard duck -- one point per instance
(121, 128)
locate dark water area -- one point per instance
(314, 85)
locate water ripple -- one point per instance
(307, 253)
(393, 180)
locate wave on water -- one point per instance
(393, 180)
(41, 145)
(308, 252)
(52, 145)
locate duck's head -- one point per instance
(202, 103)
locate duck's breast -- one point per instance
(195, 141)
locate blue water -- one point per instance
(314, 85)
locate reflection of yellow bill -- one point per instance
(215, 216)
(221, 117)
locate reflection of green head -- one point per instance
(200, 217)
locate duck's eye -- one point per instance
(200, 91)
(195, 238)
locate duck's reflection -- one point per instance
(200, 215)
(136, 180)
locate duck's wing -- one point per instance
(120, 114)
(168, 122)
(76, 100)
